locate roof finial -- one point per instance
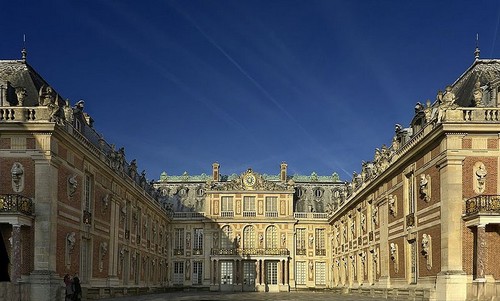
(23, 51)
(477, 51)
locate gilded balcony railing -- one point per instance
(251, 251)
(483, 205)
(15, 203)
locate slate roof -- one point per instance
(18, 73)
(488, 72)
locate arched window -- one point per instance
(226, 237)
(249, 237)
(271, 237)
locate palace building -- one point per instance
(420, 221)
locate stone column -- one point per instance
(279, 274)
(262, 269)
(16, 253)
(480, 252)
(287, 272)
(216, 271)
(451, 281)
(257, 271)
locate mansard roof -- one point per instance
(487, 71)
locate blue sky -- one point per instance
(183, 84)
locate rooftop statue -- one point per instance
(478, 94)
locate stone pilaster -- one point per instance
(114, 206)
(16, 253)
(480, 252)
(45, 283)
(451, 281)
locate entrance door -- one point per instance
(226, 276)
(178, 278)
(249, 276)
(272, 276)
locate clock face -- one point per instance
(249, 180)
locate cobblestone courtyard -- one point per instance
(217, 296)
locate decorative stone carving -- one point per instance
(21, 95)
(477, 93)
(480, 174)
(362, 258)
(103, 250)
(215, 239)
(352, 258)
(105, 202)
(427, 249)
(283, 240)
(374, 252)
(188, 240)
(424, 187)
(72, 185)
(70, 245)
(393, 248)
(393, 205)
(68, 112)
(17, 175)
(375, 215)
(363, 221)
(311, 240)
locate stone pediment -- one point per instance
(252, 181)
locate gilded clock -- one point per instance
(249, 180)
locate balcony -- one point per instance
(227, 214)
(249, 214)
(483, 207)
(189, 215)
(310, 215)
(14, 203)
(252, 251)
(271, 214)
(16, 209)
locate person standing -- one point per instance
(69, 287)
(77, 289)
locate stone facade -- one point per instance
(420, 220)
(67, 201)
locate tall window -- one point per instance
(85, 260)
(271, 206)
(301, 241)
(320, 274)
(88, 196)
(320, 242)
(249, 237)
(271, 237)
(301, 271)
(226, 237)
(227, 206)
(249, 206)
(178, 241)
(197, 272)
(198, 241)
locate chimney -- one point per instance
(283, 172)
(215, 172)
